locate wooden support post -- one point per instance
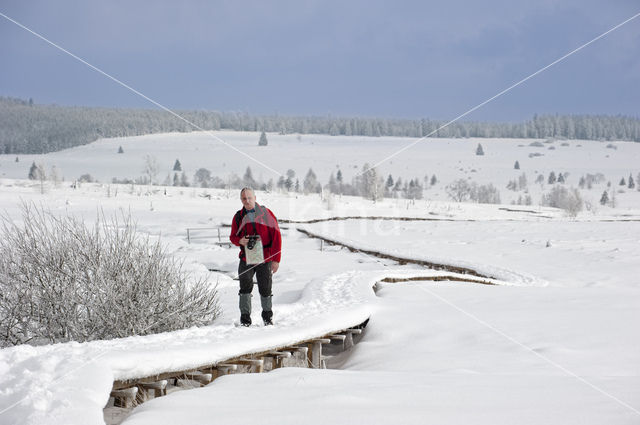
(202, 378)
(338, 337)
(225, 369)
(125, 397)
(159, 388)
(256, 364)
(314, 355)
(277, 358)
(348, 342)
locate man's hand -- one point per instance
(243, 241)
(274, 266)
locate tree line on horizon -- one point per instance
(30, 128)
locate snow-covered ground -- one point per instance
(555, 342)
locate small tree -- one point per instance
(120, 150)
(560, 178)
(263, 139)
(151, 169)
(604, 199)
(247, 179)
(479, 150)
(552, 178)
(184, 182)
(434, 180)
(561, 197)
(459, 190)
(631, 183)
(622, 182)
(177, 166)
(202, 177)
(34, 172)
(310, 183)
(516, 165)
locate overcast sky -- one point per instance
(412, 59)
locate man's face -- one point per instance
(248, 199)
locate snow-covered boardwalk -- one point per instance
(71, 382)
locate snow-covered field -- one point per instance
(555, 342)
(447, 159)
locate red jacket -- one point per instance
(266, 226)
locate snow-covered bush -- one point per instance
(459, 190)
(566, 199)
(485, 194)
(61, 280)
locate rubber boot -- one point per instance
(267, 313)
(245, 309)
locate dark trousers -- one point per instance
(263, 274)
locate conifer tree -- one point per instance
(33, 172)
(604, 199)
(516, 165)
(479, 150)
(177, 166)
(263, 139)
(631, 183)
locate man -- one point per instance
(254, 219)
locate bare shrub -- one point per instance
(61, 280)
(563, 198)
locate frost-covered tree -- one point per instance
(479, 150)
(622, 182)
(552, 178)
(177, 166)
(371, 185)
(560, 178)
(263, 139)
(310, 183)
(566, 199)
(522, 182)
(184, 181)
(459, 190)
(202, 178)
(414, 190)
(631, 184)
(151, 169)
(247, 179)
(120, 150)
(434, 180)
(516, 166)
(485, 194)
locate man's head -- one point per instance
(248, 198)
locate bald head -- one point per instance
(248, 198)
